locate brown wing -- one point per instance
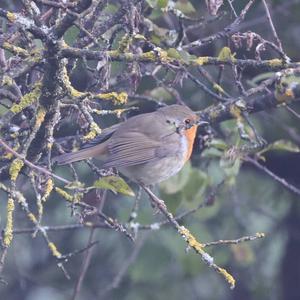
(93, 148)
(131, 149)
(142, 139)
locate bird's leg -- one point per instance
(156, 202)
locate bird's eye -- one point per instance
(188, 123)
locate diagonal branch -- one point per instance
(280, 180)
(232, 28)
(189, 238)
(67, 21)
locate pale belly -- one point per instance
(154, 172)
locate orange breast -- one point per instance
(190, 136)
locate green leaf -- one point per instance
(231, 169)
(115, 184)
(188, 184)
(185, 7)
(218, 144)
(152, 3)
(172, 52)
(74, 185)
(176, 183)
(225, 54)
(216, 149)
(185, 56)
(71, 35)
(162, 3)
(281, 145)
(212, 153)
(196, 185)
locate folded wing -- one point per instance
(130, 149)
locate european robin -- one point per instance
(147, 148)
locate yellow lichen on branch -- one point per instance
(15, 168)
(9, 228)
(226, 55)
(64, 194)
(286, 86)
(260, 234)
(11, 16)
(22, 201)
(276, 62)
(27, 99)
(8, 232)
(218, 88)
(236, 112)
(228, 277)
(67, 83)
(201, 60)
(198, 247)
(48, 189)
(124, 43)
(117, 98)
(54, 250)
(40, 207)
(40, 117)
(7, 80)
(94, 131)
(70, 198)
(191, 240)
(15, 49)
(163, 55)
(150, 55)
(237, 109)
(9, 155)
(32, 218)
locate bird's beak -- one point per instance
(202, 123)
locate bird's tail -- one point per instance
(68, 158)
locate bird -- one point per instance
(147, 148)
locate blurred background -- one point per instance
(157, 266)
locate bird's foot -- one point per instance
(158, 206)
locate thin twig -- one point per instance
(2, 260)
(31, 165)
(272, 25)
(243, 239)
(227, 30)
(88, 254)
(232, 8)
(189, 238)
(293, 112)
(62, 228)
(67, 256)
(124, 268)
(282, 181)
